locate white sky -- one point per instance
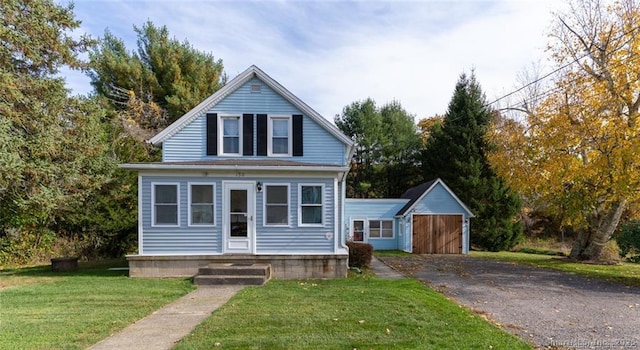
(332, 53)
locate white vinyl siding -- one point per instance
(311, 205)
(202, 204)
(279, 141)
(276, 207)
(166, 204)
(231, 136)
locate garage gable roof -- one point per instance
(417, 193)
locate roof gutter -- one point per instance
(156, 166)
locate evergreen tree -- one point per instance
(163, 71)
(456, 153)
(387, 142)
(53, 151)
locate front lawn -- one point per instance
(40, 309)
(625, 273)
(359, 312)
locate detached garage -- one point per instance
(427, 219)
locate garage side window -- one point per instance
(381, 229)
(165, 205)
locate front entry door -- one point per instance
(239, 227)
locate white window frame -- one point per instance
(364, 229)
(190, 204)
(221, 120)
(300, 205)
(393, 229)
(270, 121)
(264, 205)
(153, 204)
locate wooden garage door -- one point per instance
(437, 234)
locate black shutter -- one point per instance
(297, 135)
(262, 134)
(212, 134)
(247, 134)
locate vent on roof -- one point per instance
(255, 88)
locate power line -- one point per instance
(577, 59)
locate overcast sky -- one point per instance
(332, 53)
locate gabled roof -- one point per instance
(232, 86)
(415, 194)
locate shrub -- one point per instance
(25, 246)
(628, 238)
(359, 254)
(610, 251)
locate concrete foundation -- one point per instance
(282, 266)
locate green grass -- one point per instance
(390, 253)
(40, 309)
(625, 273)
(359, 312)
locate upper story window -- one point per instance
(231, 131)
(165, 204)
(279, 136)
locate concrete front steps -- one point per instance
(233, 274)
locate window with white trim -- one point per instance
(276, 206)
(165, 204)
(380, 228)
(231, 130)
(279, 136)
(201, 204)
(311, 205)
(357, 230)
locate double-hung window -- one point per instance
(277, 205)
(231, 131)
(311, 205)
(380, 229)
(279, 139)
(201, 204)
(165, 204)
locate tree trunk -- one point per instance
(590, 242)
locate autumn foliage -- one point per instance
(575, 150)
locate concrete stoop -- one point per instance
(233, 274)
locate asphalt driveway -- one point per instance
(550, 308)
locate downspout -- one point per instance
(343, 237)
(140, 218)
(343, 240)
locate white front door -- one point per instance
(238, 217)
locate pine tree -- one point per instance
(456, 153)
(53, 147)
(163, 72)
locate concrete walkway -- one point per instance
(383, 270)
(166, 326)
(163, 328)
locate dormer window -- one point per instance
(231, 131)
(279, 136)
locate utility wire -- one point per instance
(577, 59)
